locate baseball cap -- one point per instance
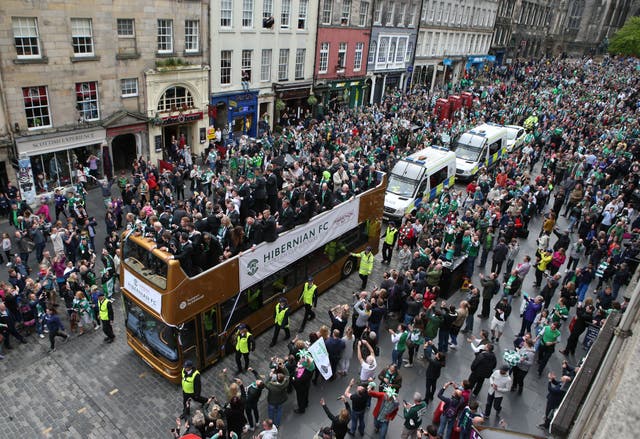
(188, 364)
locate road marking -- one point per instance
(47, 430)
(82, 410)
(113, 392)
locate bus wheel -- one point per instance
(348, 267)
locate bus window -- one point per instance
(145, 263)
(284, 279)
(159, 338)
(210, 329)
(322, 257)
(188, 342)
(242, 308)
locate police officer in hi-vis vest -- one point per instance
(191, 387)
(390, 237)
(244, 344)
(309, 298)
(281, 321)
(105, 313)
(366, 265)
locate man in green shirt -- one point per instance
(473, 249)
(549, 337)
(399, 339)
(413, 413)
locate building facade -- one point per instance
(454, 37)
(262, 69)
(583, 27)
(75, 75)
(344, 28)
(530, 30)
(391, 47)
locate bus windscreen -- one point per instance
(145, 263)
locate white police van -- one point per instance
(418, 178)
(483, 146)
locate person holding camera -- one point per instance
(452, 405)
(413, 413)
(277, 391)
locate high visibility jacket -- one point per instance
(544, 261)
(308, 293)
(390, 235)
(281, 311)
(188, 385)
(104, 310)
(242, 343)
(366, 263)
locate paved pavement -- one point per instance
(88, 389)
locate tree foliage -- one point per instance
(627, 40)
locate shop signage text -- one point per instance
(181, 118)
(32, 146)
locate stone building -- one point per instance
(83, 79)
(523, 28)
(534, 28)
(262, 57)
(344, 27)
(454, 36)
(585, 26)
(391, 47)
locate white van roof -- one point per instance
(488, 130)
(431, 157)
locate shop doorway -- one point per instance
(179, 133)
(123, 148)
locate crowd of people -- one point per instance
(580, 157)
(583, 148)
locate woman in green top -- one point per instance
(560, 311)
(85, 312)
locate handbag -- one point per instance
(572, 323)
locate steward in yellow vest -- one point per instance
(390, 237)
(281, 320)
(366, 265)
(190, 388)
(105, 313)
(244, 344)
(309, 298)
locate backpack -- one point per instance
(451, 411)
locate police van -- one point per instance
(418, 178)
(482, 147)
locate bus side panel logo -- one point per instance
(252, 267)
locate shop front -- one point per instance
(476, 64)
(343, 94)
(291, 102)
(234, 114)
(178, 132)
(384, 83)
(177, 101)
(54, 159)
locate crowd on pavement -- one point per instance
(578, 170)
